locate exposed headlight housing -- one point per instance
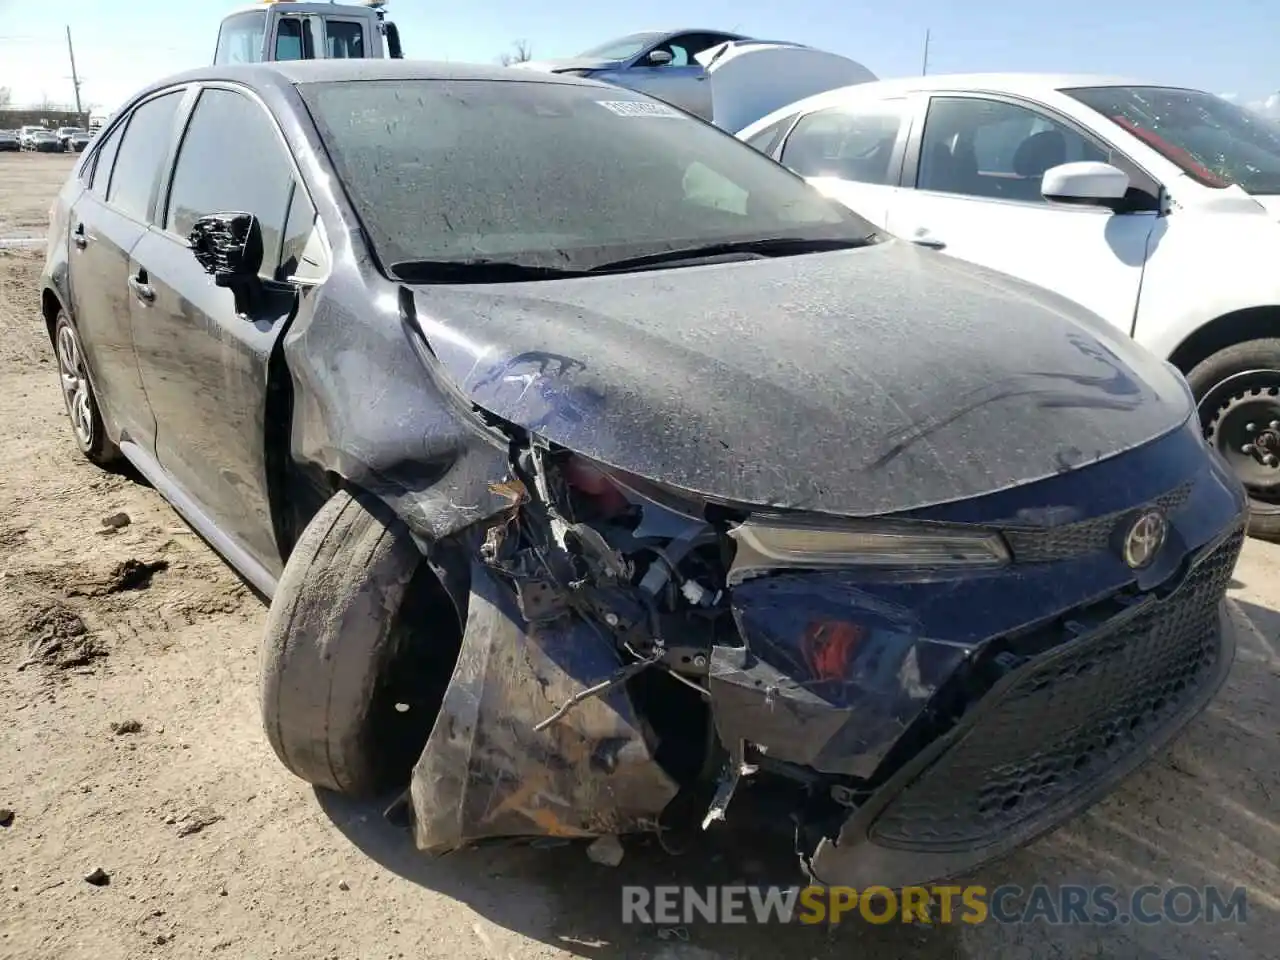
(769, 543)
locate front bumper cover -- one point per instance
(947, 720)
(1050, 739)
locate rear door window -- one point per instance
(232, 161)
(104, 160)
(142, 155)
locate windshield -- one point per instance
(1216, 142)
(623, 48)
(240, 38)
(552, 175)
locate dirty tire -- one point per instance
(331, 644)
(1250, 355)
(82, 406)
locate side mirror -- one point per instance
(1085, 183)
(659, 58)
(229, 248)
(392, 33)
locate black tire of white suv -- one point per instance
(1238, 390)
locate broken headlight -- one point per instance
(768, 543)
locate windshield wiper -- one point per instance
(766, 247)
(475, 271)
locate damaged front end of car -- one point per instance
(927, 691)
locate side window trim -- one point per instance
(181, 119)
(1140, 177)
(104, 138)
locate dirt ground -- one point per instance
(131, 743)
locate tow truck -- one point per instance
(285, 30)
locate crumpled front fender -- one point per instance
(485, 773)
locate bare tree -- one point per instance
(520, 52)
(6, 96)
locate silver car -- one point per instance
(662, 64)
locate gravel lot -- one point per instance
(214, 850)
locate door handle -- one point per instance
(141, 289)
(80, 238)
(933, 243)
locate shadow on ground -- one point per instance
(1205, 812)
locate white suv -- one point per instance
(1155, 207)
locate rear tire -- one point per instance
(78, 396)
(356, 609)
(1238, 389)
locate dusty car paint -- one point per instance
(767, 371)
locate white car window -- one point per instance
(994, 149)
(849, 142)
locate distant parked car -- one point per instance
(1155, 207)
(9, 141)
(659, 63)
(73, 139)
(40, 139)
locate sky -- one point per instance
(1224, 46)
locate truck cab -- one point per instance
(280, 30)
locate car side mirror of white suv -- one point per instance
(1085, 183)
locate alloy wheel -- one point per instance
(75, 385)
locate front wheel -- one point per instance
(360, 642)
(1238, 392)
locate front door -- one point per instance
(681, 82)
(203, 363)
(977, 197)
(107, 221)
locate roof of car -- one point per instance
(1025, 84)
(290, 72)
(1005, 82)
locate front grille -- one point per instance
(1072, 715)
(1048, 544)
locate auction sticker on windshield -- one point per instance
(639, 108)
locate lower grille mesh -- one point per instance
(1067, 720)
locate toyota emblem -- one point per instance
(1144, 539)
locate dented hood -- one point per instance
(858, 382)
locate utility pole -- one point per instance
(924, 66)
(75, 77)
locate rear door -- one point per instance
(106, 222)
(976, 169)
(205, 365)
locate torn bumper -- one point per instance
(1050, 739)
(486, 773)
